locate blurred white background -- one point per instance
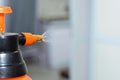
(85, 37)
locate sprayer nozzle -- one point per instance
(39, 37)
(29, 38)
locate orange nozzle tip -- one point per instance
(5, 9)
(30, 38)
(39, 37)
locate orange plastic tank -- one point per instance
(18, 78)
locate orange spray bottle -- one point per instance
(12, 65)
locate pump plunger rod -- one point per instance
(3, 10)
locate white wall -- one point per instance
(104, 46)
(106, 25)
(80, 19)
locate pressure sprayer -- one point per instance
(12, 65)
